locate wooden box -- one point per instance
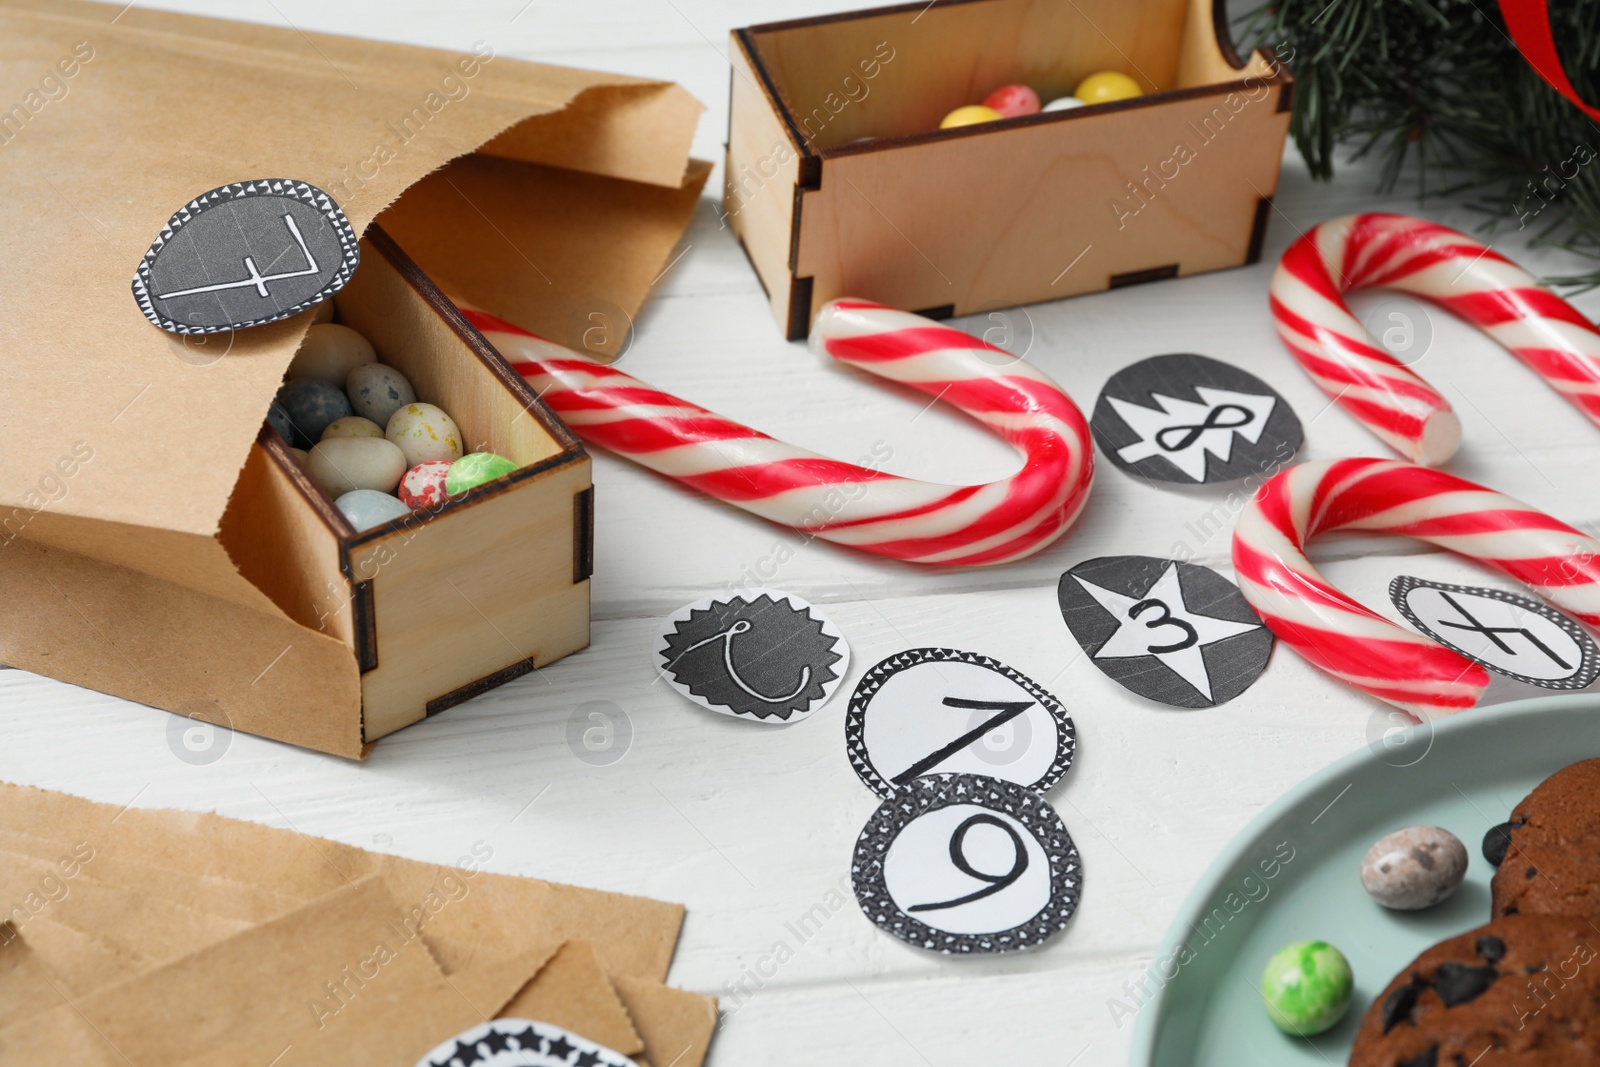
(441, 605)
(839, 182)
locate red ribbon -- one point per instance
(1529, 23)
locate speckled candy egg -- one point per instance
(1104, 86)
(474, 469)
(1414, 868)
(352, 426)
(1013, 100)
(329, 353)
(423, 486)
(366, 508)
(377, 391)
(424, 432)
(341, 464)
(1062, 103)
(1306, 987)
(310, 404)
(278, 419)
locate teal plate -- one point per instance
(1293, 875)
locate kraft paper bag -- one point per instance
(122, 448)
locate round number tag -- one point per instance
(521, 1043)
(961, 863)
(930, 710)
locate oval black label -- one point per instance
(246, 254)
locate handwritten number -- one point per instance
(1190, 433)
(1166, 619)
(1493, 633)
(1008, 710)
(958, 856)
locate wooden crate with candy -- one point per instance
(963, 155)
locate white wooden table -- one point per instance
(750, 827)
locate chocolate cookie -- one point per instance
(1551, 864)
(1519, 990)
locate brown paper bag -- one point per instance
(122, 449)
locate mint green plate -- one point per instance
(1465, 774)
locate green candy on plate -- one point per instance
(475, 468)
(1307, 987)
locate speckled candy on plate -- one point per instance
(366, 508)
(352, 426)
(341, 464)
(1013, 100)
(424, 432)
(423, 486)
(310, 404)
(377, 391)
(330, 352)
(1414, 868)
(474, 469)
(1306, 987)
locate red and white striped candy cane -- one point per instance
(841, 502)
(1359, 646)
(1452, 270)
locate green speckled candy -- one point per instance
(1306, 987)
(475, 468)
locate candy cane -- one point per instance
(1359, 646)
(840, 502)
(1448, 268)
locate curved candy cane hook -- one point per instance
(871, 510)
(1359, 646)
(1452, 270)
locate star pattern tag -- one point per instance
(1513, 635)
(521, 1043)
(245, 254)
(762, 655)
(964, 864)
(1191, 419)
(1173, 632)
(930, 710)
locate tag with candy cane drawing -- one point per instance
(760, 654)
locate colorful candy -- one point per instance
(1009, 101)
(861, 507)
(352, 426)
(1307, 987)
(970, 115)
(424, 432)
(1062, 103)
(378, 391)
(423, 486)
(309, 404)
(330, 352)
(366, 508)
(1104, 86)
(341, 464)
(1414, 868)
(1451, 269)
(1351, 642)
(475, 468)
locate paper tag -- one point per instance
(960, 864)
(1174, 632)
(521, 1043)
(1188, 418)
(932, 710)
(1513, 635)
(246, 254)
(763, 654)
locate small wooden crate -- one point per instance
(953, 222)
(441, 605)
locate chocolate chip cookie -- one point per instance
(1522, 990)
(1551, 864)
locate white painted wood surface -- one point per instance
(752, 827)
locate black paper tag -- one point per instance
(963, 864)
(1191, 419)
(246, 254)
(521, 1043)
(762, 654)
(931, 710)
(1174, 632)
(1513, 635)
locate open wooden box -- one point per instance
(951, 222)
(436, 606)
